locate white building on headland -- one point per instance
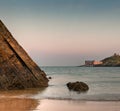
(92, 63)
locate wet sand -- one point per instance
(27, 104)
(17, 104)
(23, 100)
(70, 105)
(18, 100)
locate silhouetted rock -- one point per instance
(77, 86)
(17, 69)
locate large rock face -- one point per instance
(17, 69)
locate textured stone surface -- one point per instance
(77, 86)
(17, 69)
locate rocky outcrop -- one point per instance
(112, 61)
(17, 69)
(77, 86)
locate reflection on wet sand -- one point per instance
(21, 93)
(17, 104)
(19, 100)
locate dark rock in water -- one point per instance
(49, 77)
(17, 69)
(77, 86)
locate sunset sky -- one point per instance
(64, 32)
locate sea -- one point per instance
(103, 82)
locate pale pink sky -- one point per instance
(64, 33)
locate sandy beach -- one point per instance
(70, 105)
(17, 104)
(26, 100)
(26, 104)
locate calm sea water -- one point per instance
(104, 83)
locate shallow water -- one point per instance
(104, 83)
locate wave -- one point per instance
(85, 99)
(100, 97)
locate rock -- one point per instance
(49, 77)
(17, 69)
(77, 86)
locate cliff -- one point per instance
(17, 69)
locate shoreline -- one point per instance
(84, 100)
(70, 105)
(32, 104)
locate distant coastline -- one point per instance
(112, 61)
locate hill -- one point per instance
(111, 61)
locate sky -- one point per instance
(64, 32)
